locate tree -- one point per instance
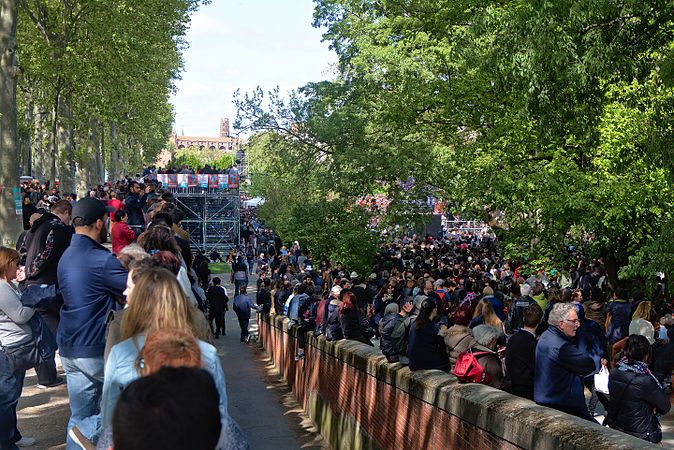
(552, 116)
(10, 222)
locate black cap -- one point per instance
(88, 210)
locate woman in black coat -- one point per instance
(350, 321)
(426, 348)
(636, 395)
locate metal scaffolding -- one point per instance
(212, 217)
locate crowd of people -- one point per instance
(130, 317)
(453, 304)
(148, 312)
(172, 168)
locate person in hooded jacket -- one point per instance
(393, 329)
(636, 395)
(306, 320)
(486, 338)
(47, 240)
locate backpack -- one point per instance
(468, 370)
(399, 336)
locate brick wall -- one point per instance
(360, 401)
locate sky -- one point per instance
(242, 44)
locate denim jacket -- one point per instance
(120, 371)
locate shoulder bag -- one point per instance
(23, 357)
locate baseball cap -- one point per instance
(354, 275)
(89, 210)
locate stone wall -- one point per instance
(360, 401)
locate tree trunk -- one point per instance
(11, 222)
(26, 147)
(611, 266)
(40, 143)
(101, 158)
(66, 137)
(113, 164)
(53, 141)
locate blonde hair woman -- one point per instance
(156, 303)
(645, 311)
(485, 315)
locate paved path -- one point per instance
(263, 407)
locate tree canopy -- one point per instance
(95, 77)
(552, 120)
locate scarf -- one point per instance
(637, 367)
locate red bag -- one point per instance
(468, 370)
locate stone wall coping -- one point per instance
(517, 420)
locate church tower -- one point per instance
(224, 127)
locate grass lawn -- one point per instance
(219, 267)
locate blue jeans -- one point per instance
(243, 323)
(85, 386)
(11, 385)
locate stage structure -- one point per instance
(211, 204)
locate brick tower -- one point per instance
(224, 127)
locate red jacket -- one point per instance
(122, 235)
(117, 204)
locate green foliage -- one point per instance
(198, 158)
(329, 229)
(114, 62)
(298, 207)
(552, 120)
(656, 256)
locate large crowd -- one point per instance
(133, 324)
(451, 303)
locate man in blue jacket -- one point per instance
(91, 280)
(242, 306)
(561, 366)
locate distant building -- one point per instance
(224, 142)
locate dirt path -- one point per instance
(44, 413)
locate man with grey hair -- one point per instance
(486, 338)
(561, 366)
